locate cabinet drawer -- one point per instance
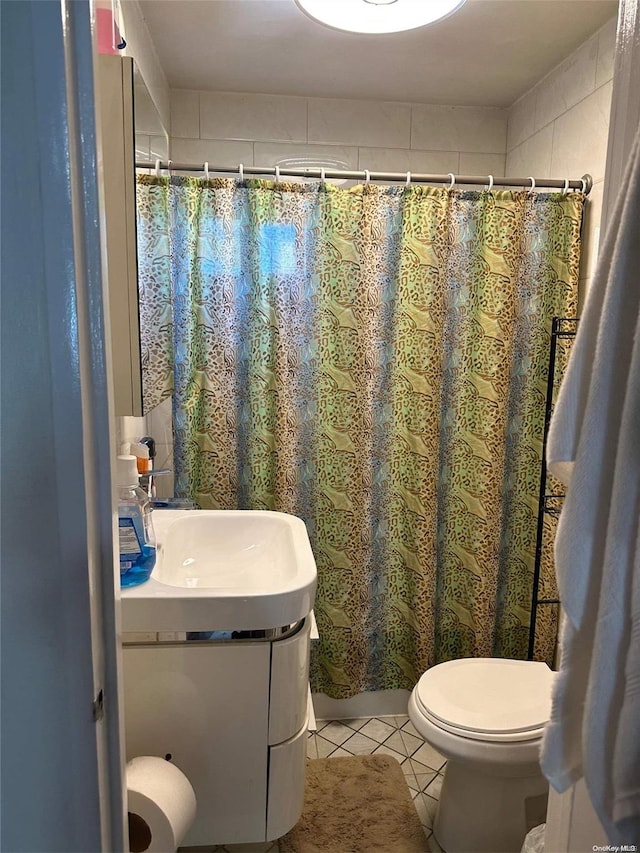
(287, 766)
(288, 690)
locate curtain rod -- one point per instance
(585, 183)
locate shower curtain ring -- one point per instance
(408, 179)
(241, 173)
(452, 177)
(322, 176)
(157, 168)
(565, 189)
(277, 174)
(206, 170)
(490, 187)
(367, 177)
(533, 184)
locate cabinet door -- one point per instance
(206, 706)
(289, 685)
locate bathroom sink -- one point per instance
(224, 570)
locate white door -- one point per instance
(61, 755)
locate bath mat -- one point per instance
(356, 805)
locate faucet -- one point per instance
(147, 484)
(146, 480)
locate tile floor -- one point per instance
(421, 764)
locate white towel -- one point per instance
(594, 447)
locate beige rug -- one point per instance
(356, 805)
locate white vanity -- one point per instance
(217, 683)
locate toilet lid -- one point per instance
(490, 698)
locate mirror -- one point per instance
(151, 144)
(127, 114)
(151, 137)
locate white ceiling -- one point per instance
(488, 53)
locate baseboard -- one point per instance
(377, 703)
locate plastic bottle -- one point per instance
(141, 452)
(135, 525)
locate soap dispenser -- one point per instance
(135, 525)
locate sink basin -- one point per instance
(224, 570)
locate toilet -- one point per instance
(486, 717)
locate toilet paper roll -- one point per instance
(161, 805)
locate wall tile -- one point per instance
(164, 457)
(521, 120)
(142, 146)
(159, 421)
(439, 128)
(158, 148)
(185, 113)
(165, 486)
(482, 164)
(405, 160)
(580, 137)
(129, 429)
(572, 81)
(215, 151)
(606, 52)
(372, 123)
(151, 148)
(532, 157)
(268, 153)
(583, 288)
(591, 230)
(158, 426)
(267, 118)
(140, 46)
(147, 117)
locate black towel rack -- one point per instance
(548, 503)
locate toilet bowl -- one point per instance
(486, 717)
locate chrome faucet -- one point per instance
(146, 480)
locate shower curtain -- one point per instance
(373, 360)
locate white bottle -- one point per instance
(135, 525)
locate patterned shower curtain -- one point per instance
(373, 360)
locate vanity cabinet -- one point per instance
(232, 715)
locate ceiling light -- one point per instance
(378, 16)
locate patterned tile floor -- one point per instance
(421, 764)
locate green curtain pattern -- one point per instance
(373, 360)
